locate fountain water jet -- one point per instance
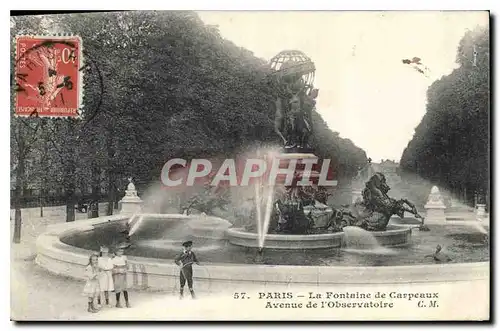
(478, 226)
(258, 211)
(474, 224)
(134, 225)
(267, 216)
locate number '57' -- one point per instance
(240, 295)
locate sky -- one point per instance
(366, 93)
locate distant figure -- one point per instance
(185, 260)
(91, 289)
(438, 256)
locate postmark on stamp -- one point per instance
(48, 76)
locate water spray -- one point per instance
(267, 217)
(258, 210)
(135, 226)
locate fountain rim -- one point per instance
(395, 228)
(70, 261)
(251, 235)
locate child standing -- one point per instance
(91, 288)
(120, 277)
(185, 260)
(105, 265)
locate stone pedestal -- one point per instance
(131, 203)
(319, 213)
(481, 210)
(435, 207)
(284, 160)
(435, 216)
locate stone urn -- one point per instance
(131, 203)
(435, 207)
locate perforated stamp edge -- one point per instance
(81, 87)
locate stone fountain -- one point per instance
(298, 220)
(301, 220)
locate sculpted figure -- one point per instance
(439, 256)
(290, 214)
(279, 120)
(375, 210)
(293, 122)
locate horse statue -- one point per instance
(375, 210)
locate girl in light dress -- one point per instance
(105, 265)
(91, 289)
(120, 277)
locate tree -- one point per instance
(24, 132)
(450, 146)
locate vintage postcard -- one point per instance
(250, 166)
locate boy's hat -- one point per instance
(187, 243)
(104, 249)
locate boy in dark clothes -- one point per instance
(185, 260)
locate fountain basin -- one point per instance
(162, 274)
(65, 248)
(241, 237)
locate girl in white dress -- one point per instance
(105, 265)
(91, 289)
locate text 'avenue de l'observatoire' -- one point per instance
(348, 299)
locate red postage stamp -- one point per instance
(48, 76)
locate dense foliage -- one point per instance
(158, 85)
(450, 146)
